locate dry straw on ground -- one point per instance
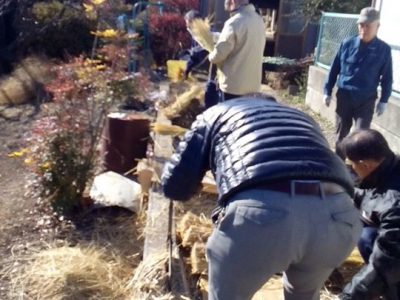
(150, 279)
(81, 272)
(100, 266)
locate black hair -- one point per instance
(192, 14)
(365, 144)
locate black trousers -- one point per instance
(349, 109)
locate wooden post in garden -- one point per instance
(160, 228)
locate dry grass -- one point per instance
(81, 272)
(150, 279)
(201, 33)
(99, 266)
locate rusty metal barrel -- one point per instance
(124, 141)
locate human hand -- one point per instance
(380, 108)
(327, 100)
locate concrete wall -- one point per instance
(388, 124)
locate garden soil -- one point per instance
(18, 223)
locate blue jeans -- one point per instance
(366, 242)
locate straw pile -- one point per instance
(200, 30)
(100, 266)
(197, 258)
(151, 278)
(22, 84)
(72, 273)
(192, 229)
(183, 101)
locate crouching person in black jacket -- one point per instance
(378, 198)
(286, 198)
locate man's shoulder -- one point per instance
(350, 41)
(243, 17)
(383, 44)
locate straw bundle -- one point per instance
(198, 258)
(193, 229)
(144, 172)
(72, 273)
(183, 101)
(12, 91)
(201, 33)
(22, 83)
(202, 285)
(150, 279)
(37, 68)
(164, 129)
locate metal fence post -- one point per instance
(321, 29)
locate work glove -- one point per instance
(327, 100)
(380, 108)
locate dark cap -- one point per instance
(368, 15)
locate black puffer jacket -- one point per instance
(251, 141)
(379, 201)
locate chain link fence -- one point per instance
(334, 29)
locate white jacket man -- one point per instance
(239, 50)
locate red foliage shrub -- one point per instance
(168, 36)
(181, 6)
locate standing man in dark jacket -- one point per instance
(285, 197)
(378, 199)
(362, 63)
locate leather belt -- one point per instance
(303, 187)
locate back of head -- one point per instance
(233, 5)
(367, 144)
